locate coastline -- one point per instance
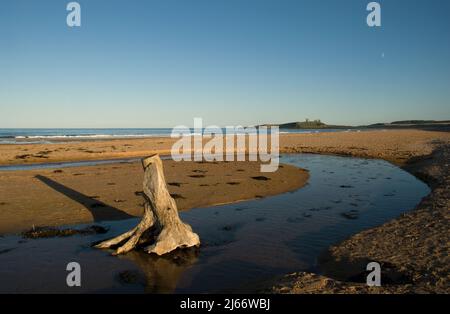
(396, 146)
(421, 233)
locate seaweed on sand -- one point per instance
(52, 232)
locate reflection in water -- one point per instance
(162, 273)
(243, 244)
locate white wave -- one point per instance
(91, 136)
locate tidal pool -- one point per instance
(243, 244)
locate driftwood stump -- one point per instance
(161, 225)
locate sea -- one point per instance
(32, 136)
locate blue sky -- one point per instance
(161, 63)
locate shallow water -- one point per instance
(66, 164)
(243, 244)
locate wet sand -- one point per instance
(413, 248)
(52, 197)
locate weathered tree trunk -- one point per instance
(160, 226)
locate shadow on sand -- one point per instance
(99, 210)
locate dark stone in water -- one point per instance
(353, 214)
(131, 277)
(295, 219)
(51, 232)
(217, 243)
(6, 250)
(227, 228)
(318, 209)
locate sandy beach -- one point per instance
(397, 146)
(413, 246)
(72, 195)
